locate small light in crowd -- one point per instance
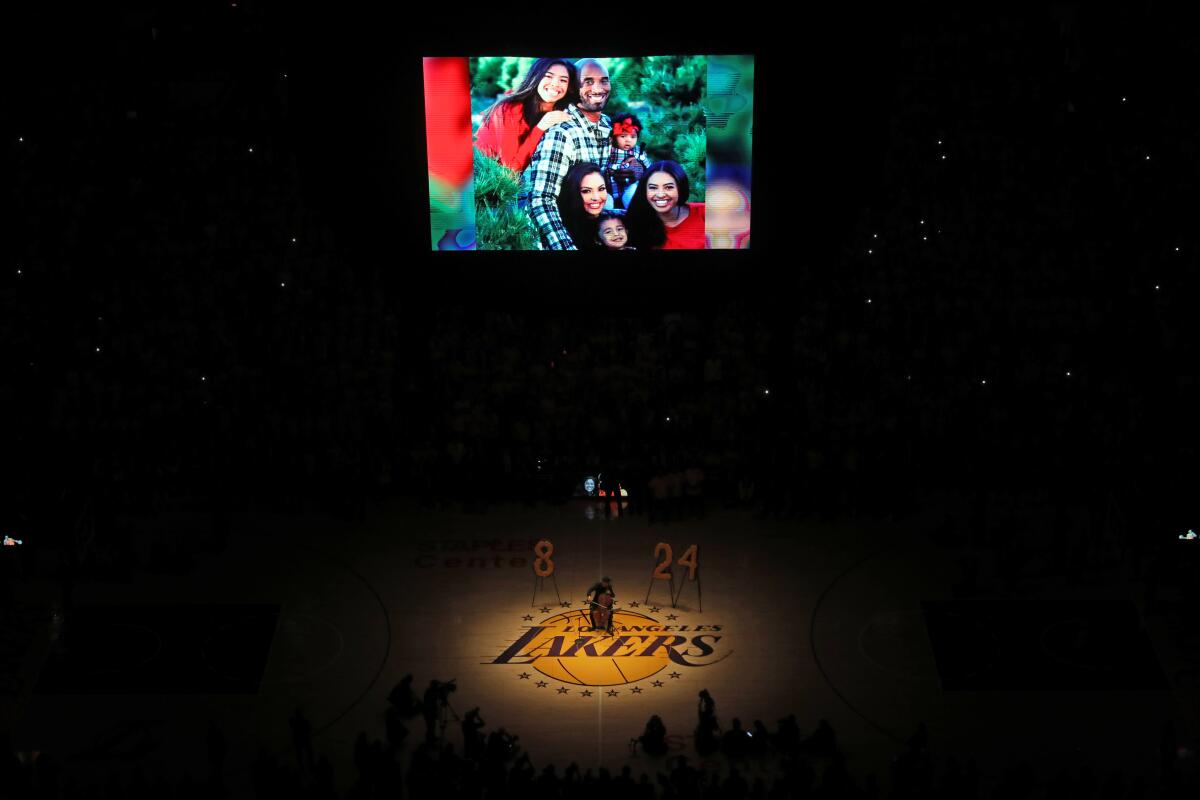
(251, 149)
(1147, 157)
(939, 142)
(766, 391)
(1156, 287)
(282, 285)
(922, 222)
(1068, 373)
(293, 240)
(19, 272)
(97, 349)
(874, 235)
(983, 382)
(924, 238)
(908, 377)
(943, 156)
(285, 75)
(870, 251)
(1176, 249)
(203, 378)
(1123, 99)
(668, 419)
(20, 138)
(868, 300)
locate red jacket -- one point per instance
(507, 137)
(689, 234)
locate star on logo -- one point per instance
(524, 676)
(657, 684)
(612, 693)
(586, 693)
(545, 610)
(583, 602)
(565, 604)
(654, 610)
(672, 616)
(674, 674)
(541, 684)
(563, 690)
(635, 604)
(636, 690)
(528, 617)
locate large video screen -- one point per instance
(589, 153)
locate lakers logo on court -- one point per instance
(565, 648)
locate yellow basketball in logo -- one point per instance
(568, 650)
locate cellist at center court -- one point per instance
(600, 600)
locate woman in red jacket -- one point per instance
(513, 126)
(660, 216)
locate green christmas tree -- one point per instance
(499, 224)
(667, 93)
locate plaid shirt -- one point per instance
(578, 139)
(619, 181)
(617, 157)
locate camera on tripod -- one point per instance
(442, 690)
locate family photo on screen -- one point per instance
(589, 154)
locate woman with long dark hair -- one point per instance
(580, 200)
(660, 216)
(513, 126)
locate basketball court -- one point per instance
(855, 622)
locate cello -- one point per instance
(602, 610)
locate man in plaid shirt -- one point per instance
(584, 137)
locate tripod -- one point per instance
(445, 710)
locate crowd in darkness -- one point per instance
(179, 313)
(180, 319)
(742, 763)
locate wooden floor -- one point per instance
(821, 619)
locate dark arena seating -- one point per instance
(904, 489)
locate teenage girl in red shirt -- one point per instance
(512, 128)
(660, 216)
